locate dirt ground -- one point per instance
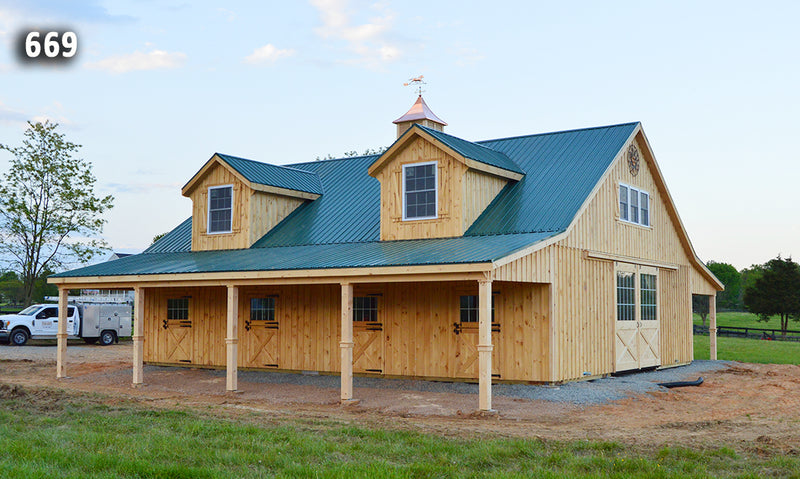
(750, 407)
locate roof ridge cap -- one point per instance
(558, 132)
(287, 167)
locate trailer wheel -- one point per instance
(107, 338)
(19, 337)
(90, 340)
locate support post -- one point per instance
(346, 343)
(232, 381)
(485, 344)
(61, 351)
(138, 336)
(712, 326)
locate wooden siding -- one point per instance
(463, 194)
(254, 212)
(479, 189)
(533, 268)
(238, 238)
(584, 300)
(418, 327)
(450, 171)
(266, 211)
(207, 313)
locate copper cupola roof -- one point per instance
(419, 111)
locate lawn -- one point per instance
(747, 320)
(749, 350)
(48, 433)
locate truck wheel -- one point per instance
(19, 337)
(89, 340)
(107, 338)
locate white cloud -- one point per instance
(267, 54)
(154, 60)
(368, 40)
(9, 115)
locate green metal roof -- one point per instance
(274, 175)
(473, 151)
(341, 228)
(179, 239)
(343, 255)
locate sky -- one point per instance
(157, 87)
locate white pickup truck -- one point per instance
(105, 323)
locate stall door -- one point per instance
(368, 342)
(178, 331)
(262, 334)
(466, 343)
(262, 344)
(637, 331)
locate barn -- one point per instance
(542, 258)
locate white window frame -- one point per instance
(436, 190)
(639, 192)
(208, 212)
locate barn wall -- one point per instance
(450, 211)
(239, 238)
(584, 301)
(418, 327)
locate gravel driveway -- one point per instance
(598, 391)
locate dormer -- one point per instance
(435, 185)
(236, 201)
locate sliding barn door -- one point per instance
(637, 326)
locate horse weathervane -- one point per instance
(417, 82)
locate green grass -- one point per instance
(749, 350)
(747, 320)
(49, 434)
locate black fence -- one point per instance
(752, 333)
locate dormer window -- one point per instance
(420, 195)
(220, 209)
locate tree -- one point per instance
(748, 279)
(776, 292)
(10, 288)
(49, 213)
(700, 306)
(158, 237)
(730, 277)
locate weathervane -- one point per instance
(417, 82)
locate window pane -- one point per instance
(220, 209)
(178, 308)
(365, 308)
(648, 296)
(262, 309)
(623, 202)
(626, 307)
(634, 206)
(645, 206)
(420, 191)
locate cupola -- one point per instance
(419, 113)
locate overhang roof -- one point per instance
(461, 250)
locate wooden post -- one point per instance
(485, 344)
(138, 336)
(232, 382)
(346, 343)
(712, 326)
(61, 351)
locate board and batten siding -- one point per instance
(254, 212)
(418, 322)
(584, 295)
(479, 190)
(463, 194)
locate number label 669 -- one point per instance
(50, 45)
